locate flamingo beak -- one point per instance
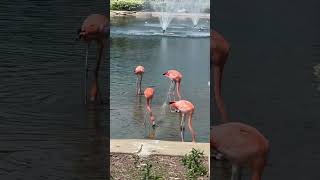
(171, 102)
(164, 73)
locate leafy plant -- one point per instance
(127, 5)
(147, 173)
(194, 164)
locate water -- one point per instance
(269, 81)
(157, 54)
(46, 132)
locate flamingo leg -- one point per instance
(182, 126)
(86, 74)
(191, 129)
(140, 81)
(137, 88)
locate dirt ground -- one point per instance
(129, 167)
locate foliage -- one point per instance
(194, 164)
(146, 173)
(127, 5)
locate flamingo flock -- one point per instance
(184, 107)
(240, 143)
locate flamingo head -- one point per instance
(166, 74)
(173, 104)
(139, 70)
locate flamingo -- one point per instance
(139, 71)
(241, 144)
(185, 108)
(175, 77)
(148, 93)
(94, 28)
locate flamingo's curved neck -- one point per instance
(217, 92)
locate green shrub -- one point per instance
(194, 164)
(127, 5)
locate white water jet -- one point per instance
(166, 9)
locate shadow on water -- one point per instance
(46, 131)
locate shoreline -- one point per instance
(144, 147)
(128, 158)
(149, 14)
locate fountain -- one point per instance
(168, 9)
(196, 8)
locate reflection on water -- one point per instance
(46, 130)
(157, 54)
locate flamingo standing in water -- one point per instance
(185, 108)
(241, 144)
(175, 77)
(94, 28)
(148, 93)
(139, 71)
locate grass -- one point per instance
(194, 164)
(127, 5)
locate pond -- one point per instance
(137, 41)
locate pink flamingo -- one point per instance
(185, 108)
(94, 28)
(175, 77)
(240, 143)
(139, 71)
(148, 93)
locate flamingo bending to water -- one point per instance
(94, 28)
(175, 77)
(185, 108)
(241, 144)
(139, 71)
(148, 93)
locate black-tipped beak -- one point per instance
(171, 102)
(164, 73)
